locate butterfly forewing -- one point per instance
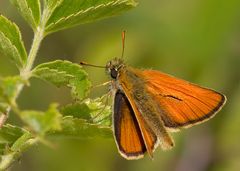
(181, 103)
(126, 129)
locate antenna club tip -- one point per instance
(123, 42)
(82, 63)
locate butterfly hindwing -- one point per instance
(182, 104)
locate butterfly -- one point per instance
(149, 104)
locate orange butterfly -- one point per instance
(149, 104)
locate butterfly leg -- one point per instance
(100, 85)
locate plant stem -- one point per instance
(25, 73)
(38, 36)
(7, 160)
(4, 117)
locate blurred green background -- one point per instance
(197, 40)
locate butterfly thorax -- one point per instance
(114, 67)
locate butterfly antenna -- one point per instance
(87, 64)
(123, 43)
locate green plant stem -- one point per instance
(7, 160)
(38, 36)
(25, 73)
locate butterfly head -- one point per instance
(114, 66)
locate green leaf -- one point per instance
(8, 89)
(77, 110)
(11, 43)
(51, 5)
(80, 128)
(13, 141)
(3, 106)
(9, 134)
(30, 10)
(95, 111)
(65, 73)
(100, 112)
(42, 122)
(56, 77)
(65, 13)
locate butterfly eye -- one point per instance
(114, 73)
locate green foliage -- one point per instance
(30, 10)
(95, 111)
(13, 141)
(11, 43)
(65, 73)
(82, 119)
(66, 14)
(9, 134)
(42, 122)
(3, 107)
(77, 110)
(8, 88)
(80, 128)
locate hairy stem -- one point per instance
(38, 36)
(25, 73)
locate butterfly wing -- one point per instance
(154, 133)
(150, 139)
(128, 134)
(182, 104)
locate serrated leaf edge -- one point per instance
(84, 11)
(13, 126)
(73, 88)
(50, 11)
(52, 62)
(32, 22)
(21, 41)
(34, 72)
(86, 122)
